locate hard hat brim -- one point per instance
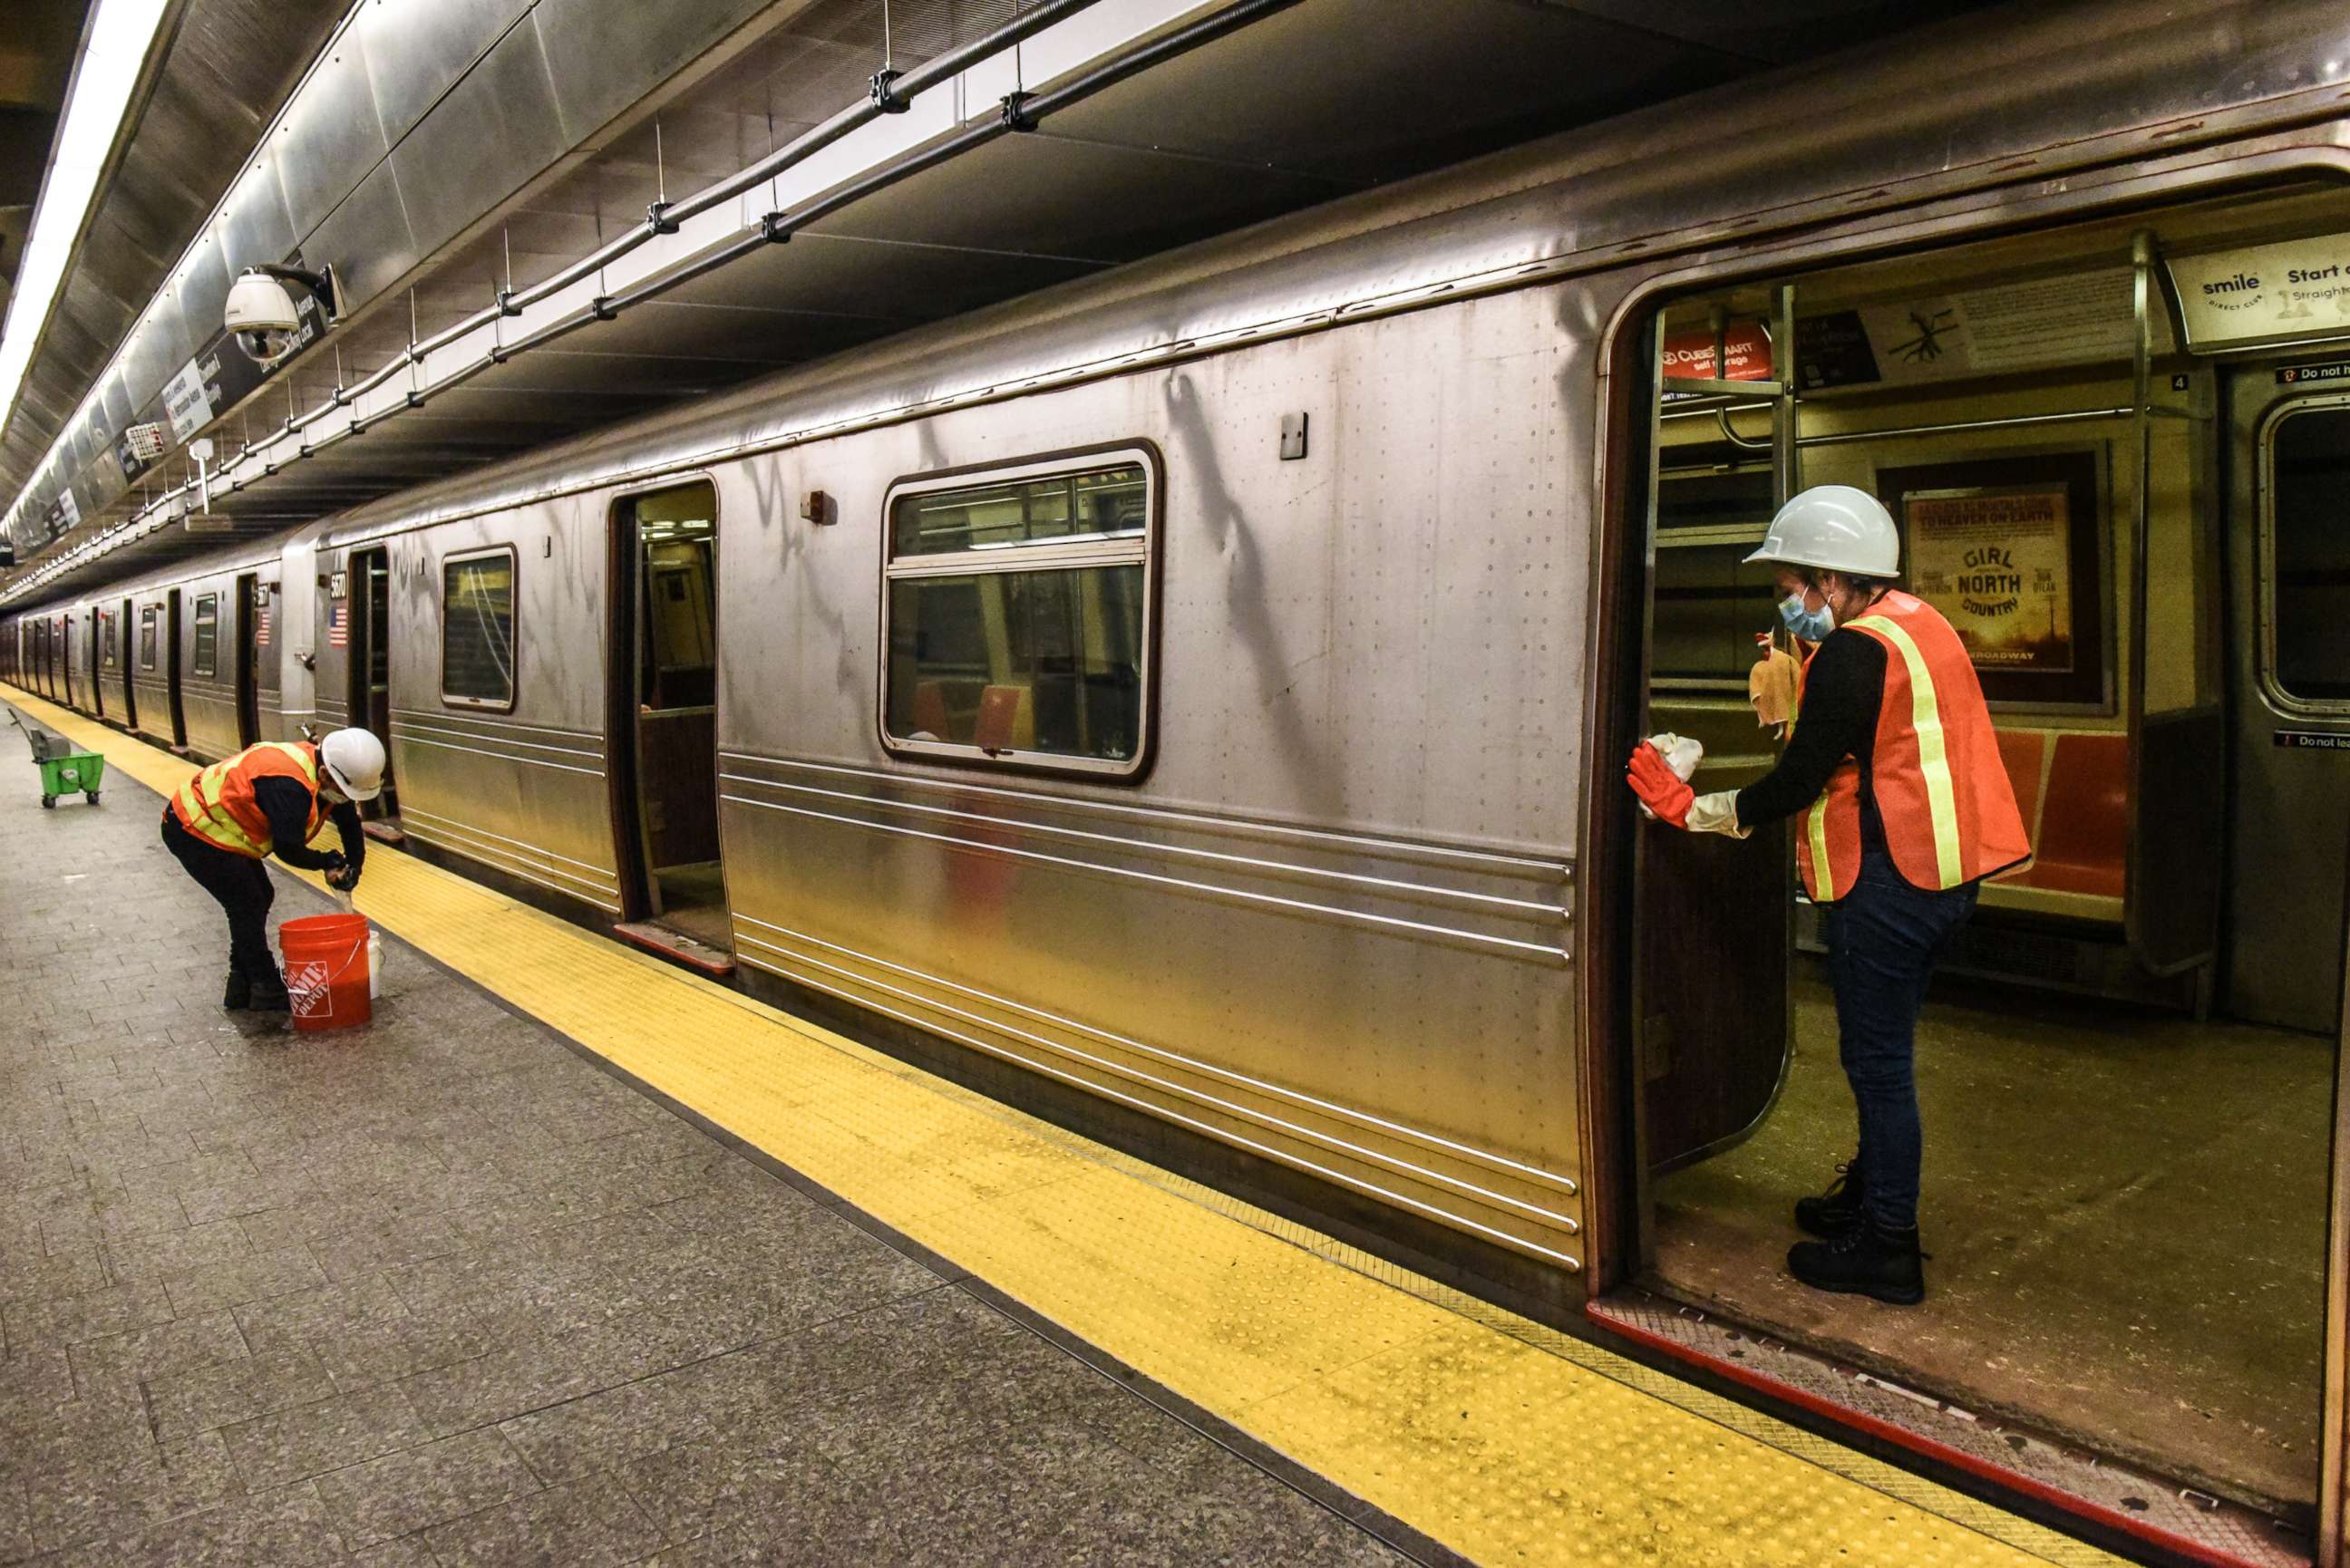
(351, 791)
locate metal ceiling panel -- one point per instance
(255, 226)
(602, 56)
(1078, 200)
(202, 283)
(331, 137)
(415, 51)
(492, 133)
(1394, 88)
(1777, 34)
(877, 277)
(367, 239)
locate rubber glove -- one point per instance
(1669, 797)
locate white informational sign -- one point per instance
(2288, 292)
(186, 402)
(2081, 318)
(69, 509)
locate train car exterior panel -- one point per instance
(1331, 919)
(520, 785)
(152, 684)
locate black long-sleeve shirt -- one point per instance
(287, 804)
(1843, 687)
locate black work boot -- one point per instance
(239, 995)
(1836, 1210)
(269, 994)
(1867, 1260)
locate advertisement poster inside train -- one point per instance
(1998, 563)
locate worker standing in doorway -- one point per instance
(271, 799)
(1906, 809)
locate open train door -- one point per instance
(1713, 917)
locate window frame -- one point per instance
(2273, 690)
(514, 619)
(195, 625)
(150, 636)
(109, 640)
(1041, 556)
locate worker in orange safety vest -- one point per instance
(1893, 769)
(271, 799)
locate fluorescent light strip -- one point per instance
(114, 47)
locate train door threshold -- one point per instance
(664, 941)
(385, 831)
(2173, 1518)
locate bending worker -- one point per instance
(271, 799)
(1906, 809)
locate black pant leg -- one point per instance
(241, 885)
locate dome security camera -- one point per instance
(263, 315)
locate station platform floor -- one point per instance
(572, 1257)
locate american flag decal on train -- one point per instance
(339, 627)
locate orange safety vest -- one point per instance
(1949, 811)
(217, 805)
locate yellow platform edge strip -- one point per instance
(1506, 1441)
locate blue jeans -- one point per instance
(1883, 938)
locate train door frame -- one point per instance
(95, 619)
(63, 662)
(642, 897)
(127, 655)
(171, 671)
(248, 662)
(369, 630)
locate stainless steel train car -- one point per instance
(1195, 699)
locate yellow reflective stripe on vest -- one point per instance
(200, 800)
(1816, 820)
(1933, 749)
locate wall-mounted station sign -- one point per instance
(218, 378)
(2294, 291)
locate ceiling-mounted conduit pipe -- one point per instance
(1021, 112)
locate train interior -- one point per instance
(2118, 469)
(364, 612)
(663, 702)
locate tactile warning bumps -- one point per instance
(1508, 1442)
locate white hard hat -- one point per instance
(354, 761)
(1834, 528)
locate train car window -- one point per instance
(678, 654)
(147, 637)
(208, 634)
(112, 641)
(477, 630)
(1017, 614)
(2308, 586)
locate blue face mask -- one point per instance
(1811, 625)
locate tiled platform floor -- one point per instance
(438, 1292)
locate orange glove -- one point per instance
(1662, 790)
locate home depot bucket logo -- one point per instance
(306, 983)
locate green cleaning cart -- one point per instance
(63, 770)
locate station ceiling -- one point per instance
(1316, 100)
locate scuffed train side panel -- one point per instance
(1330, 923)
(521, 791)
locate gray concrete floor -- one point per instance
(2127, 1218)
(438, 1292)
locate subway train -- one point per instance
(1193, 701)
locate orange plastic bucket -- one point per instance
(326, 970)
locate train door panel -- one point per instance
(662, 670)
(126, 659)
(363, 618)
(173, 666)
(2288, 831)
(265, 699)
(244, 628)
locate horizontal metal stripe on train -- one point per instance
(496, 722)
(496, 861)
(1181, 884)
(1566, 1261)
(1147, 846)
(406, 726)
(1500, 863)
(475, 750)
(1339, 1112)
(602, 878)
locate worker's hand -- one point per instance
(1664, 791)
(343, 879)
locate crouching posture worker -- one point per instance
(271, 799)
(1905, 809)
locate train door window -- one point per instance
(147, 637)
(1017, 614)
(477, 630)
(113, 638)
(2306, 583)
(207, 649)
(363, 617)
